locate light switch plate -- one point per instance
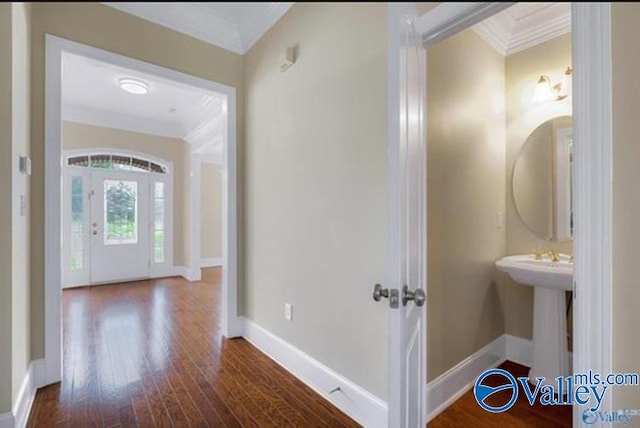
(23, 205)
(288, 311)
(25, 165)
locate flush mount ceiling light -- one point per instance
(134, 86)
(545, 92)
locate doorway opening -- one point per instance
(117, 217)
(123, 178)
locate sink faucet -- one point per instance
(537, 253)
(555, 255)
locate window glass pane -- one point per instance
(101, 161)
(158, 215)
(157, 168)
(77, 224)
(120, 212)
(158, 222)
(122, 163)
(79, 161)
(158, 190)
(158, 246)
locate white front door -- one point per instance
(407, 333)
(119, 226)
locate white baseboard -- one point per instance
(518, 350)
(188, 274)
(162, 271)
(212, 262)
(21, 408)
(362, 406)
(451, 385)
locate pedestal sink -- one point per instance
(550, 281)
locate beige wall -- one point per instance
(21, 275)
(522, 72)
(211, 217)
(626, 198)
(176, 151)
(103, 27)
(316, 186)
(6, 208)
(14, 232)
(465, 188)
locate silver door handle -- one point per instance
(392, 295)
(417, 296)
(379, 292)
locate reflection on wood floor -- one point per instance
(150, 353)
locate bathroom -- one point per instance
(499, 156)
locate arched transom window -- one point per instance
(119, 162)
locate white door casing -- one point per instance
(54, 49)
(592, 165)
(407, 252)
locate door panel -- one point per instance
(119, 226)
(407, 341)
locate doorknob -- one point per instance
(417, 296)
(392, 295)
(379, 292)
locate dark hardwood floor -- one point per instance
(150, 353)
(466, 412)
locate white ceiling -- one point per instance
(524, 25)
(232, 26)
(91, 94)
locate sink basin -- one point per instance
(550, 281)
(525, 269)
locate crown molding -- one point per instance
(188, 18)
(203, 22)
(124, 122)
(509, 35)
(259, 23)
(206, 135)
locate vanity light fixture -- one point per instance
(546, 92)
(134, 86)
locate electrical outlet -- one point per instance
(288, 311)
(499, 219)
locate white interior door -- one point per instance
(407, 333)
(120, 226)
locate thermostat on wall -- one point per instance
(25, 165)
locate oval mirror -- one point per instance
(542, 180)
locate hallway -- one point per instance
(150, 353)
